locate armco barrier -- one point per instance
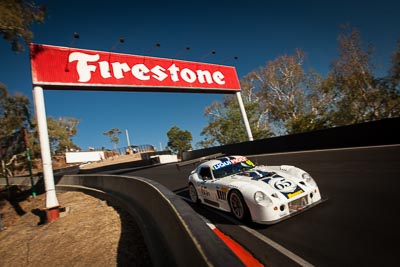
(382, 132)
(174, 234)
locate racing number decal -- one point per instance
(284, 185)
(204, 191)
(287, 187)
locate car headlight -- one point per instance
(307, 177)
(262, 198)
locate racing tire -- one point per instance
(194, 197)
(238, 206)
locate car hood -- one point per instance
(268, 180)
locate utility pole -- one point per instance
(127, 138)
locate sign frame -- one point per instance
(65, 68)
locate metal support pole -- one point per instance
(52, 205)
(244, 115)
(127, 138)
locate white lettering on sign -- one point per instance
(86, 64)
(119, 69)
(140, 71)
(159, 73)
(82, 66)
(174, 72)
(188, 75)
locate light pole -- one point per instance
(127, 138)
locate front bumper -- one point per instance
(280, 211)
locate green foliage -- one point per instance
(283, 98)
(226, 124)
(16, 18)
(359, 95)
(280, 98)
(388, 100)
(179, 140)
(15, 112)
(394, 73)
(61, 132)
(113, 135)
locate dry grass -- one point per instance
(89, 232)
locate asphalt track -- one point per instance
(357, 225)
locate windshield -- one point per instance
(231, 166)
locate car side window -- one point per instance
(205, 173)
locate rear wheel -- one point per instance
(238, 206)
(193, 194)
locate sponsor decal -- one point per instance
(204, 192)
(221, 195)
(230, 162)
(71, 67)
(238, 160)
(250, 163)
(224, 189)
(221, 165)
(295, 193)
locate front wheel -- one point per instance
(193, 194)
(238, 206)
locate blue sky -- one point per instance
(254, 31)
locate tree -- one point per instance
(291, 99)
(16, 18)
(394, 73)
(113, 135)
(61, 132)
(359, 95)
(179, 140)
(279, 98)
(15, 112)
(226, 124)
(389, 86)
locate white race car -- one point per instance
(264, 194)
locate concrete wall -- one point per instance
(125, 165)
(175, 235)
(84, 156)
(162, 159)
(382, 132)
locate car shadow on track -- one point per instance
(213, 215)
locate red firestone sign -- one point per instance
(66, 68)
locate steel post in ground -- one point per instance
(52, 205)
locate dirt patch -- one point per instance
(89, 232)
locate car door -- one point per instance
(207, 186)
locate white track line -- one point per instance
(263, 238)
